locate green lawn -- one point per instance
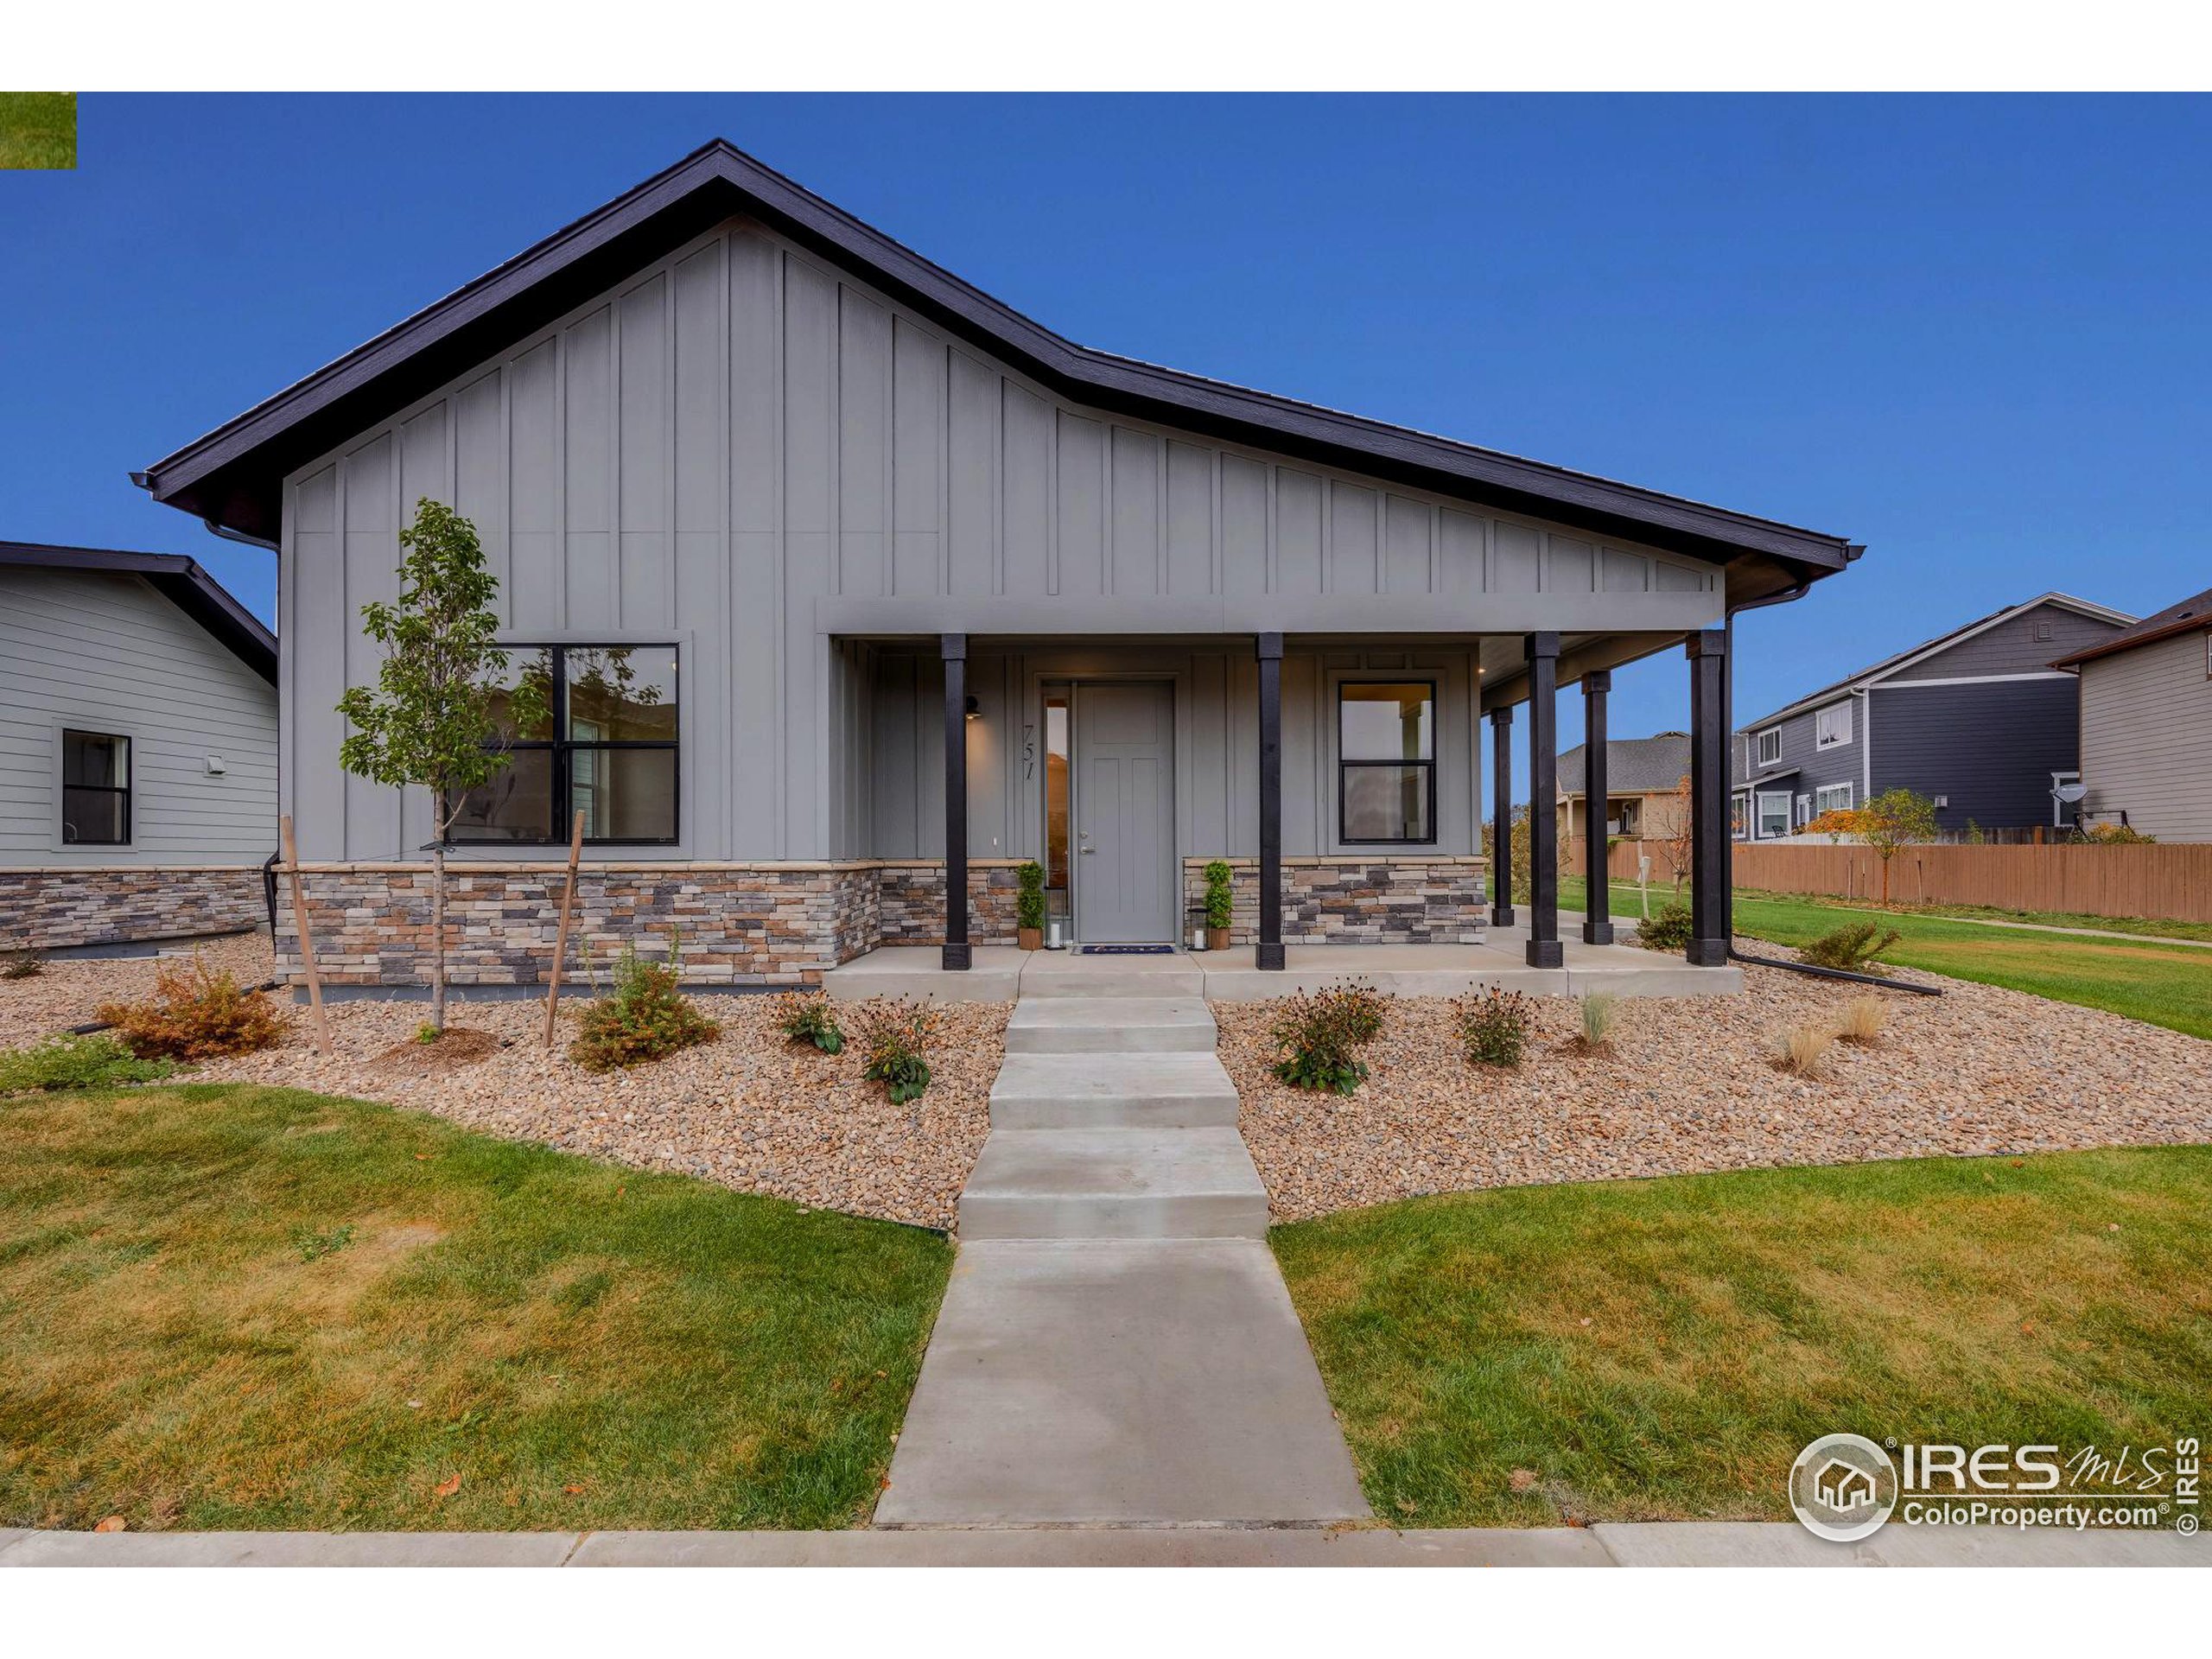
(1662, 1349)
(2168, 985)
(38, 130)
(229, 1306)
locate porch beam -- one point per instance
(1597, 812)
(1269, 954)
(1709, 897)
(1544, 950)
(1501, 816)
(958, 958)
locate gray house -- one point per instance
(859, 588)
(2146, 723)
(1978, 719)
(137, 748)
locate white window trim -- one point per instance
(1846, 709)
(1758, 745)
(1758, 812)
(1821, 795)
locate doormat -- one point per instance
(1125, 950)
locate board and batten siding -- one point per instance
(750, 454)
(2146, 737)
(103, 652)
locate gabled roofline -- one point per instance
(2189, 615)
(178, 579)
(233, 476)
(1920, 653)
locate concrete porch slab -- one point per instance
(917, 971)
(1046, 1353)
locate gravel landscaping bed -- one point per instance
(64, 993)
(1690, 1087)
(746, 1111)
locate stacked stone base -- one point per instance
(1348, 899)
(767, 924)
(54, 909)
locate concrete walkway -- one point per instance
(1656, 1544)
(1117, 1346)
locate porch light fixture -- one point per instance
(974, 709)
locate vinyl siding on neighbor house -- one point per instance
(1987, 749)
(1804, 767)
(2146, 737)
(742, 451)
(2011, 647)
(104, 652)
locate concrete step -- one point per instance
(1078, 1091)
(1110, 1025)
(1114, 1184)
(1064, 973)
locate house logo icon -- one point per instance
(1843, 1487)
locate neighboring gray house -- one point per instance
(137, 748)
(1976, 719)
(2146, 723)
(825, 506)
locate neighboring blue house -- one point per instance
(1977, 718)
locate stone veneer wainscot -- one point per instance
(1356, 899)
(56, 908)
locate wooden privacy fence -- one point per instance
(2164, 882)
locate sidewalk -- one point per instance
(1648, 1544)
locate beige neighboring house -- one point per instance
(2146, 723)
(1643, 776)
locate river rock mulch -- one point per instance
(1690, 1087)
(64, 993)
(746, 1111)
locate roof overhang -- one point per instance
(177, 579)
(233, 477)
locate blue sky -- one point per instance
(1969, 332)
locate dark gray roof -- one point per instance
(1634, 765)
(176, 578)
(1911, 654)
(233, 476)
(2193, 612)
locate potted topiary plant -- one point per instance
(1218, 906)
(1029, 906)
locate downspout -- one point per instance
(1728, 858)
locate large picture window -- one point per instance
(1386, 763)
(607, 747)
(95, 790)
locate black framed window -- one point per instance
(1386, 762)
(607, 745)
(95, 790)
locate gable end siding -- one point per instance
(1988, 748)
(2146, 717)
(2011, 647)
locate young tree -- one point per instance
(434, 720)
(1678, 821)
(1895, 818)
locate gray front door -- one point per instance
(1124, 813)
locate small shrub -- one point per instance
(1318, 1036)
(645, 1018)
(196, 1013)
(427, 1032)
(1028, 898)
(1800, 1048)
(1862, 1017)
(1219, 893)
(2117, 835)
(22, 964)
(1851, 947)
(895, 1033)
(1669, 930)
(1493, 1027)
(99, 1061)
(806, 1017)
(1600, 1011)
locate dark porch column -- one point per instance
(1501, 816)
(956, 953)
(1598, 915)
(1708, 654)
(1544, 950)
(1269, 955)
